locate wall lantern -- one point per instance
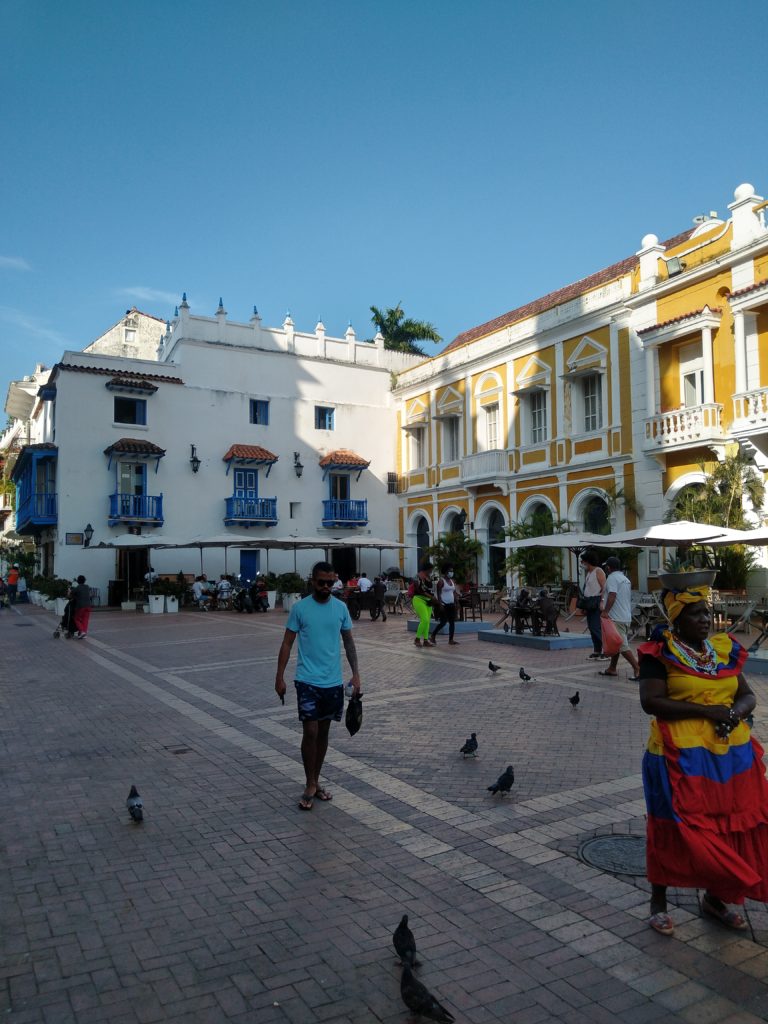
(297, 465)
(87, 535)
(193, 459)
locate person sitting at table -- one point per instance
(259, 594)
(338, 585)
(353, 582)
(223, 591)
(547, 609)
(201, 598)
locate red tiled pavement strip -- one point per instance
(229, 905)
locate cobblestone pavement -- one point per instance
(229, 905)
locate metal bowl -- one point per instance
(681, 580)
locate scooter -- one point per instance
(241, 596)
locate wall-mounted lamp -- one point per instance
(193, 459)
(87, 535)
(675, 266)
(298, 467)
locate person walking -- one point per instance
(703, 774)
(594, 585)
(81, 611)
(379, 594)
(317, 620)
(446, 605)
(422, 600)
(12, 582)
(618, 608)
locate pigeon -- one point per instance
(574, 699)
(419, 1000)
(470, 747)
(504, 782)
(524, 676)
(134, 805)
(493, 668)
(404, 943)
(506, 627)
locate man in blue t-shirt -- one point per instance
(317, 620)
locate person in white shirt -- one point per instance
(198, 592)
(446, 605)
(618, 607)
(151, 576)
(364, 584)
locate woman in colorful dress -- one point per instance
(705, 787)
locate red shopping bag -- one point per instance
(612, 640)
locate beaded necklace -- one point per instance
(700, 661)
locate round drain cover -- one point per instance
(622, 855)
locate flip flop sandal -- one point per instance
(305, 804)
(323, 795)
(730, 918)
(611, 675)
(662, 923)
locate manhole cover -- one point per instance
(622, 855)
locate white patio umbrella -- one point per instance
(572, 540)
(665, 535)
(125, 541)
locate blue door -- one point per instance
(249, 564)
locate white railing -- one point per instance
(485, 466)
(687, 426)
(752, 406)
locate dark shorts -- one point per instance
(319, 703)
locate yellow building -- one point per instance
(596, 403)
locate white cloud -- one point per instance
(141, 294)
(13, 263)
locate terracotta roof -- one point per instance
(131, 382)
(252, 452)
(679, 319)
(134, 447)
(749, 288)
(118, 374)
(43, 446)
(344, 457)
(557, 298)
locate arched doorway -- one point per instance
(422, 541)
(496, 556)
(596, 516)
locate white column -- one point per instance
(650, 381)
(468, 418)
(559, 390)
(739, 353)
(432, 454)
(706, 350)
(613, 344)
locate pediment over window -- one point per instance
(449, 404)
(416, 414)
(535, 376)
(589, 356)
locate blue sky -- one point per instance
(462, 158)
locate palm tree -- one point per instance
(401, 334)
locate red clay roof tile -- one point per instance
(251, 452)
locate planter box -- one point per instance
(171, 604)
(272, 598)
(156, 604)
(50, 604)
(128, 606)
(34, 596)
(289, 600)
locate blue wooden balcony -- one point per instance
(339, 514)
(35, 511)
(251, 512)
(135, 508)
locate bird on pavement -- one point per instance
(470, 747)
(419, 999)
(404, 943)
(524, 676)
(504, 782)
(493, 668)
(574, 699)
(134, 805)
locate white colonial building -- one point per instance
(231, 427)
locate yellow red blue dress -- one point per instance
(706, 797)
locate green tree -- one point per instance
(458, 550)
(719, 501)
(401, 334)
(537, 566)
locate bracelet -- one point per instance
(733, 717)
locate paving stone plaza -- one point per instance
(227, 904)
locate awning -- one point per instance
(343, 458)
(250, 455)
(136, 448)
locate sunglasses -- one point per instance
(323, 583)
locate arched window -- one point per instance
(458, 522)
(541, 519)
(422, 541)
(596, 519)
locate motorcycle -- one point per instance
(241, 596)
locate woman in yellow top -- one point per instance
(705, 787)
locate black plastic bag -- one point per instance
(354, 716)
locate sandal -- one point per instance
(305, 804)
(417, 642)
(730, 918)
(662, 923)
(611, 675)
(323, 795)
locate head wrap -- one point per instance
(676, 600)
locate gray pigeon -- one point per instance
(470, 747)
(404, 943)
(574, 699)
(419, 1000)
(506, 627)
(493, 668)
(504, 782)
(134, 805)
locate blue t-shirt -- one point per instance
(318, 626)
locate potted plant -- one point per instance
(270, 579)
(169, 591)
(291, 586)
